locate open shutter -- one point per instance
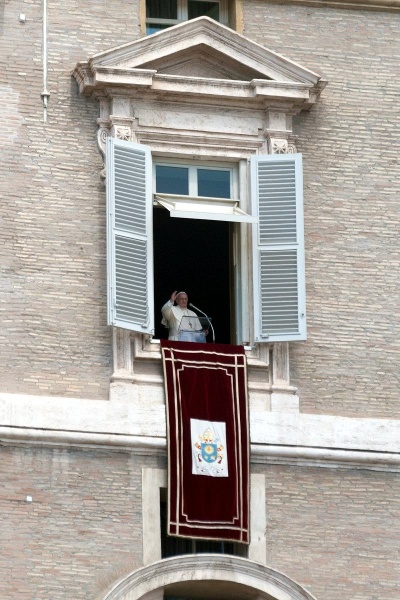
(129, 236)
(278, 251)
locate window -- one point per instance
(161, 14)
(151, 252)
(176, 546)
(154, 495)
(199, 192)
(195, 180)
(194, 251)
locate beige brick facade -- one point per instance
(334, 531)
(54, 251)
(350, 363)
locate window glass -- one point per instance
(172, 180)
(214, 183)
(153, 28)
(161, 14)
(162, 9)
(199, 9)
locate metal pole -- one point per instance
(45, 94)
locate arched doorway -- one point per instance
(207, 576)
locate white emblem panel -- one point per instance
(209, 451)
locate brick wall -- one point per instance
(335, 531)
(54, 339)
(350, 364)
(81, 532)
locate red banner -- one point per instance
(208, 440)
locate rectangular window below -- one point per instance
(175, 546)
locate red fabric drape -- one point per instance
(206, 388)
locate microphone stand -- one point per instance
(208, 319)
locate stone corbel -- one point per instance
(121, 380)
(278, 132)
(120, 128)
(122, 352)
(292, 148)
(102, 134)
(284, 397)
(259, 376)
(278, 145)
(122, 131)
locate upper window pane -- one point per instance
(172, 180)
(153, 28)
(161, 14)
(213, 183)
(162, 9)
(200, 9)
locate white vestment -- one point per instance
(177, 319)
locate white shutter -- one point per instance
(278, 248)
(129, 236)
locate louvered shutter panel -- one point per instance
(278, 251)
(129, 236)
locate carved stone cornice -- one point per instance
(103, 81)
(383, 5)
(200, 60)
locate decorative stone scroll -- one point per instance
(102, 134)
(121, 132)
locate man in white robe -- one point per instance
(179, 318)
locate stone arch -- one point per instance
(204, 576)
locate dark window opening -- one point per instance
(161, 14)
(193, 255)
(175, 546)
(207, 9)
(162, 9)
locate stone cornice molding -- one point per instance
(277, 438)
(104, 82)
(376, 5)
(260, 454)
(250, 75)
(213, 35)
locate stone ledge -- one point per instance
(107, 423)
(260, 453)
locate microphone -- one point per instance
(208, 319)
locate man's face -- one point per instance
(182, 300)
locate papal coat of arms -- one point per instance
(209, 455)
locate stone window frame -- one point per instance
(153, 480)
(275, 239)
(260, 93)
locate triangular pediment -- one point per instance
(199, 35)
(192, 57)
(203, 61)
